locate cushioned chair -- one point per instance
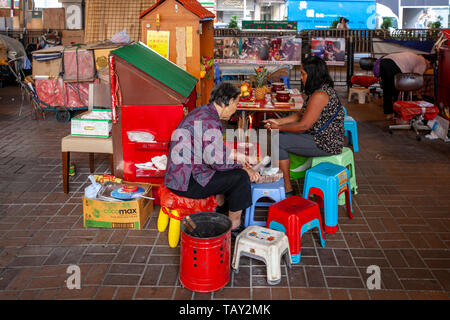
(84, 144)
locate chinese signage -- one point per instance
(159, 41)
(270, 25)
(234, 5)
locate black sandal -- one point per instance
(223, 209)
(290, 194)
(235, 232)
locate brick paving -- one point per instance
(401, 224)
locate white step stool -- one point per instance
(266, 245)
(361, 92)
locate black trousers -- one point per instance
(388, 70)
(234, 184)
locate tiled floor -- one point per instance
(401, 224)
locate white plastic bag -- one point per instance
(121, 37)
(140, 136)
(92, 190)
(439, 128)
(160, 162)
(156, 163)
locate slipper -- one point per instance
(222, 209)
(235, 232)
(390, 116)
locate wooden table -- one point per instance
(236, 69)
(244, 111)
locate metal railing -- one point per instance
(28, 36)
(361, 38)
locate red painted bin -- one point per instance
(205, 259)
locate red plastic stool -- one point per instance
(294, 216)
(176, 208)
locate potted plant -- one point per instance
(260, 83)
(233, 24)
(206, 67)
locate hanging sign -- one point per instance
(159, 41)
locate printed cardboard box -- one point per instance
(131, 214)
(99, 128)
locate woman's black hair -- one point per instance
(223, 93)
(318, 74)
(430, 57)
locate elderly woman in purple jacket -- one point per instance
(199, 164)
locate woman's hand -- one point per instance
(252, 174)
(271, 124)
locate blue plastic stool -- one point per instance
(328, 181)
(273, 190)
(350, 126)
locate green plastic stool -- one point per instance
(298, 166)
(344, 159)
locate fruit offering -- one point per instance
(245, 90)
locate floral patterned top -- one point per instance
(199, 133)
(330, 139)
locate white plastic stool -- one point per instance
(266, 245)
(361, 92)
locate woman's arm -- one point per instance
(315, 106)
(291, 118)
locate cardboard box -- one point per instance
(50, 68)
(121, 214)
(91, 127)
(54, 18)
(72, 37)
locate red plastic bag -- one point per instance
(51, 92)
(79, 65)
(410, 109)
(185, 206)
(77, 94)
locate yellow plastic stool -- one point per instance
(174, 225)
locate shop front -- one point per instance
(259, 10)
(320, 14)
(418, 14)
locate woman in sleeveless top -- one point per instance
(318, 128)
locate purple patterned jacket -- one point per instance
(199, 133)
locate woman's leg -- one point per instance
(301, 144)
(388, 70)
(220, 198)
(284, 167)
(234, 185)
(235, 217)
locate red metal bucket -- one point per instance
(205, 256)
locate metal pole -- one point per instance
(245, 9)
(350, 61)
